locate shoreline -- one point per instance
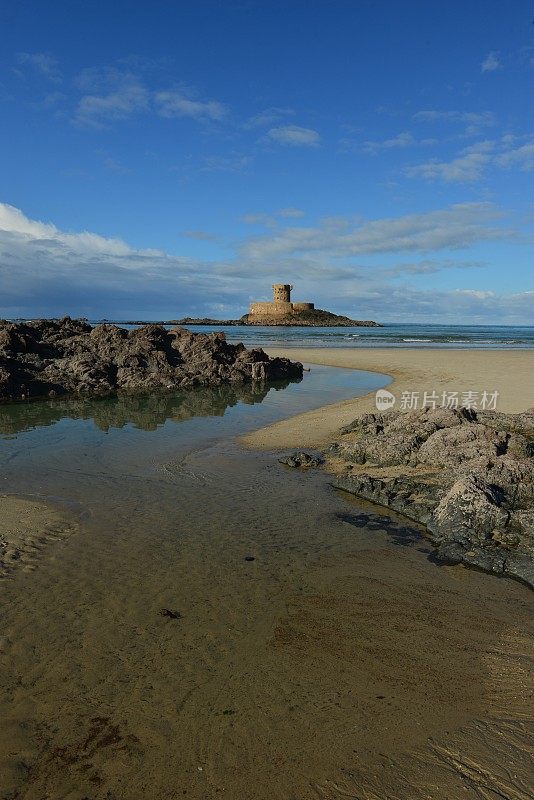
(509, 372)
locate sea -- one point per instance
(495, 337)
(485, 337)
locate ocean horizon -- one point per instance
(425, 335)
(499, 337)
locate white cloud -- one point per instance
(234, 162)
(454, 227)
(13, 221)
(522, 156)
(491, 62)
(294, 135)
(428, 267)
(471, 163)
(479, 294)
(44, 63)
(98, 110)
(463, 169)
(260, 218)
(113, 93)
(404, 139)
(175, 104)
(473, 120)
(461, 306)
(268, 117)
(50, 272)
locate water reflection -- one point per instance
(147, 412)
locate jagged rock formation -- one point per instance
(468, 476)
(56, 357)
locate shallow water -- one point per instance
(316, 650)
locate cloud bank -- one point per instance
(45, 271)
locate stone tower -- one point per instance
(282, 292)
(279, 307)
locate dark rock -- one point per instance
(302, 460)
(55, 357)
(469, 512)
(467, 476)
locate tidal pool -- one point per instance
(220, 626)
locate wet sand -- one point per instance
(27, 527)
(339, 662)
(413, 370)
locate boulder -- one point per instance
(468, 476)
(468, 513)
(302, 460)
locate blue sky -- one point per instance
(167, 158)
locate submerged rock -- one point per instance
(56, 357)
(302, 460)
(468, 476)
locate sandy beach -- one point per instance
(334, 664)
(307, 654)
(508, 372)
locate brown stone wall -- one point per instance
(270, 309)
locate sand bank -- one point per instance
(509, 372)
